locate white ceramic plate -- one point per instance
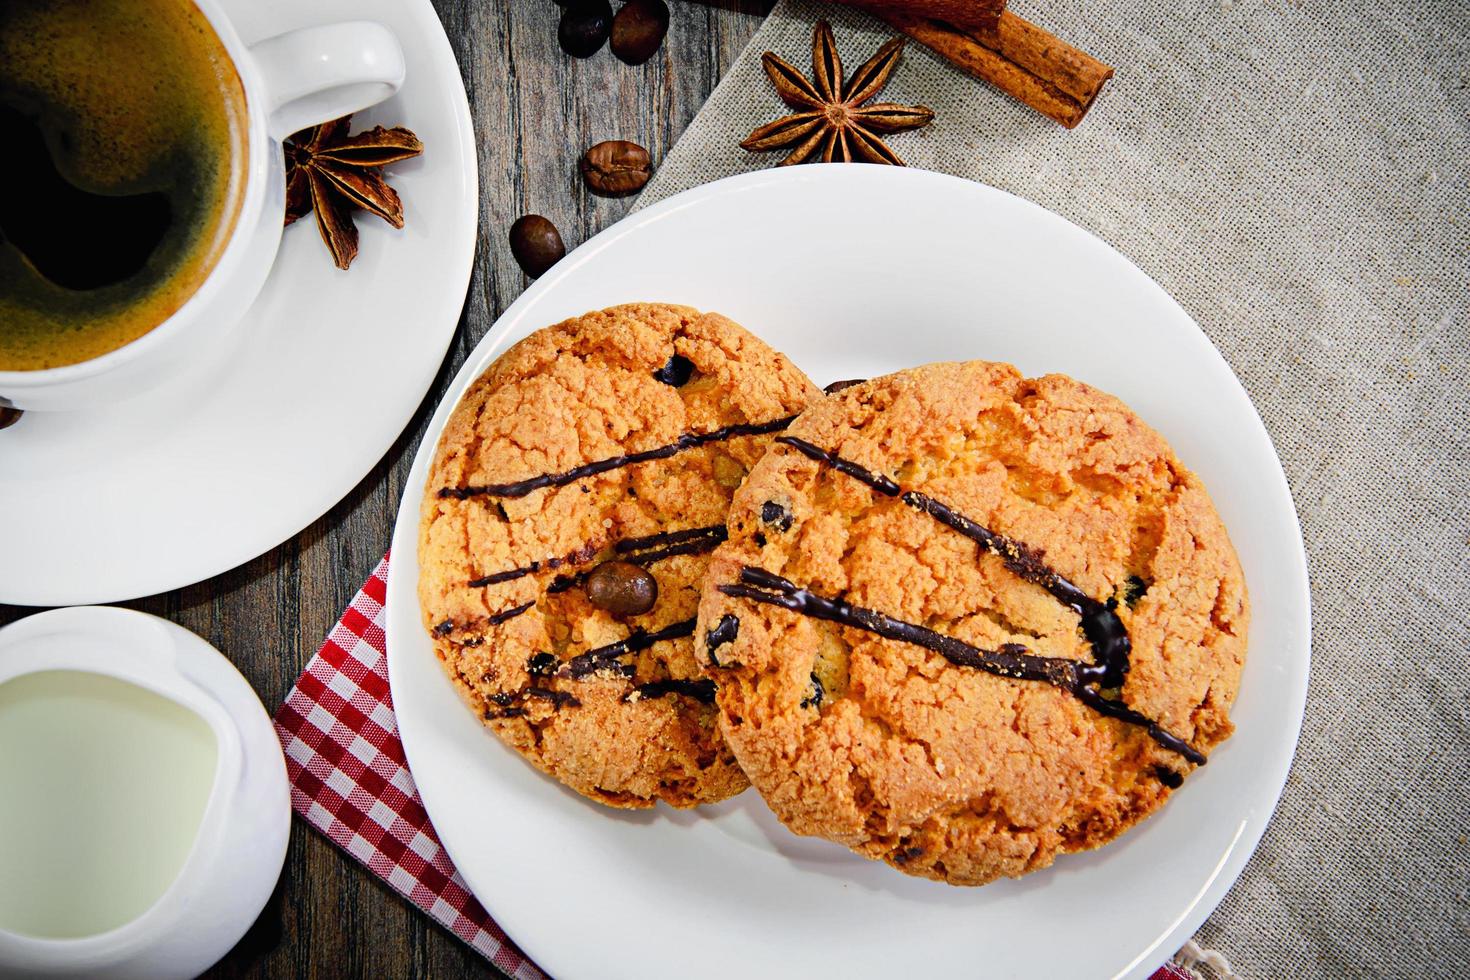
(930, 268)
(190, 480)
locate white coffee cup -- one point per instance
(291, 81)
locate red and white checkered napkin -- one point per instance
(350, 781)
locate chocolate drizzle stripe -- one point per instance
(513, 702)
(508, 576)
(693, 541)
(558, 698)
(686, 548)
(1117, 709)
(582, 554)
(1017, 557)
(688, 440)
(669, 537)
(1010, 660)
(605, 657)
(1111, 645)
(495, 619)
(876, 481)
(1100, 624)
(702, 691)
(563, 582)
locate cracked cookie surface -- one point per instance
(532, 487)
(967, 621)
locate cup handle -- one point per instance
(319, 73)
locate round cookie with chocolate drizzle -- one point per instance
(968, 621)
(578, 490)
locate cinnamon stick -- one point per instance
(967, 15)
(1015, 56)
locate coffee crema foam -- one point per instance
(128, 176)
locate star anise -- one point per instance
(832, 115)
(332, 173)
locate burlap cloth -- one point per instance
(1294, 172)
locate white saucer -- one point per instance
(186, 482)
(929, 268)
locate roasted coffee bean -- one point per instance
(677, 372)
(622, 588)
(9, 416)
(837, 386)
(616, 167)
(584, 27)
(639, 29)
(536, 244)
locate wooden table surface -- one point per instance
(330, 917)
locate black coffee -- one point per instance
(124, 171)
